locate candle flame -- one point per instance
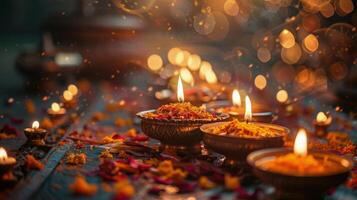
(67, 95)
(321, 117)
(180, 93)
(55, 107)
(248, 109)
(3, 154)
(35, 124)
(236, 98)
(300, 144)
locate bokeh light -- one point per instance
(286, 39)
(282, 96)
(194, 62)
(154, 62)
(260, 82)
(310, 43)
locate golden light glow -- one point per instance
(73, 89)
(154, 62)
(186, 75)
(67, 95)
(172, 54)
(300, 144)
(282, 96)
(3, 154)
(260, 82)
(248, 109)
(55, 107)
(35, 124)
(180, 93)
(236, 98)
(311, 44)
(286, 39)
(231, 7)
(321, 117)
(291, 55)
(211, 77)
(194, 62)
(204, 68)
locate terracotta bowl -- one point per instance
(175, 132)
(299, 187)
(236, 149)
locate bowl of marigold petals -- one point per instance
(235, 139)
(177, 125)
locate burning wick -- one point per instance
(55, 107)
(180, 93)
(4, 159)
(236, 98)
(35, 125)
(300, 144)
(248, 109)
(321, 117)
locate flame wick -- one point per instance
(236, 98)
(300, 144)
(248, 109)
(180, 93)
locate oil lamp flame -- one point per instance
(248, 109)
(35, 124)
(236, 98)
(180, 94)
(55, 107)
(321, 117)
(3, 154)
(300, 144)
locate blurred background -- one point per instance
(284, 49)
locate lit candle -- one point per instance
(35, 134)
(56, 111)
(6, 162)
(322, 122)
(4, 159)
(180, 93)
(236, 98)
(248, 109)
(300, 144)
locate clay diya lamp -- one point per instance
(35, 134)
(177, 125)
(299, 174)
(6, 163)
(235, 139)
(321, 123)
(236, 110)
(56, 111)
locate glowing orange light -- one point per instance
(286, 39)
(260, 82)
(311, 43)
(321, 117)
(35, 124)
(204, 68)
(3, 154)
(172, 54)
(248, 109)
(67, 95)
(211, 77)
(154, 62)
(236, 98)
(194, 62)
(300, 144)
(55, 107)
(231, 7)
(180, 93)
(282, 96)
(73, 89)
(186, 75)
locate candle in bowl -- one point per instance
(299, 174)
(56, 111)
(35, 134)
(176, 125)
(6, 162)
(235, 139)
(322, 122)
(236, 111)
